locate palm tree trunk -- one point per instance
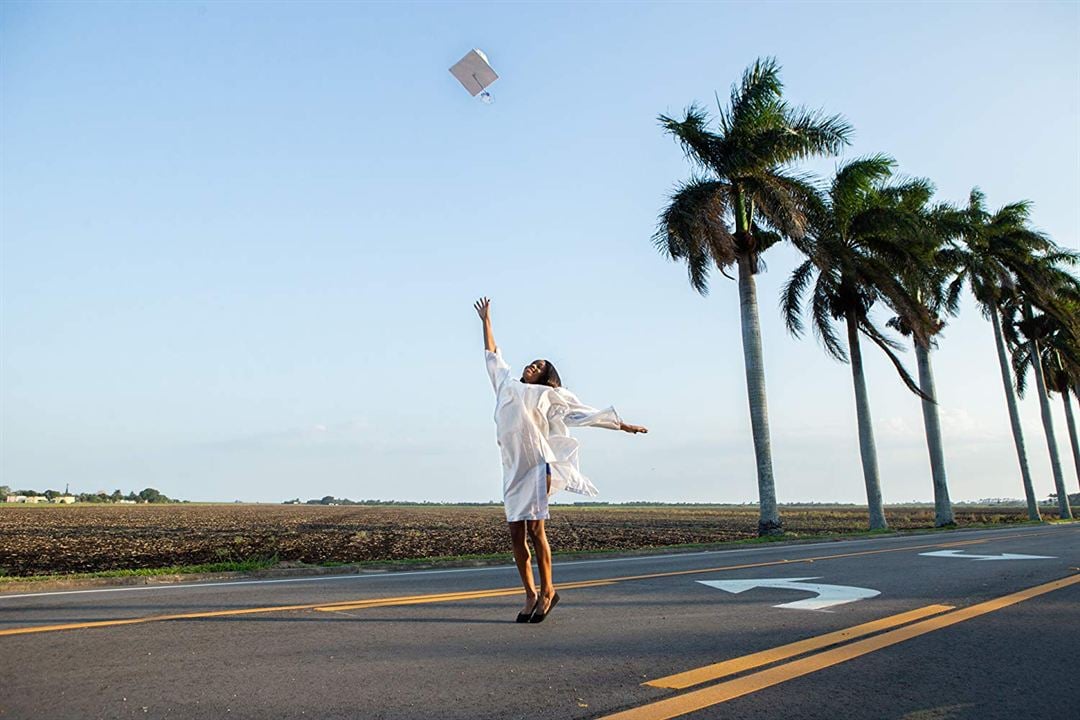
(1048, 427)
(943, 514)
(1014, 418)
(1071, 422)
(769, 519)
(867, 449)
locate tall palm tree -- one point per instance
(1048, 343)
(744, 198)
(1064, 349)
(1070, 422)
(995, 249)
(1060, 358)
(927, 281)
(858, 236)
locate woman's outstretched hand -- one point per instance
(481, 307)
(633, 429)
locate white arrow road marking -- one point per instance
(1004, 556)
(827, 595)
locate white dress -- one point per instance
(531, 427)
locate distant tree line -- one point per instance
(331, 500)
(1074, 499)
(146, 495)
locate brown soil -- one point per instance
(88, 538)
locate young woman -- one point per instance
(538, 457)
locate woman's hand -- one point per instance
(481, 307)
(633, 429)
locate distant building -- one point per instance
(35, 499)
(126, 502)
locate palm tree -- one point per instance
(1063, 375)
(1070, 421)
(1049, 345)
(927, 281)
(745, 199)
(858, 236)
(995, 249)
(1060, 358)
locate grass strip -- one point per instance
(249, 565)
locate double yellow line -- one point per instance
(930, 618)
(468, 595)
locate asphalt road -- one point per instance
(948, 636)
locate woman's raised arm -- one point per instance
(483, 309)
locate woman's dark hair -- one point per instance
(550, 376)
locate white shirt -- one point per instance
(531, 427)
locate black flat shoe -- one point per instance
(524, 617)
(537, 616)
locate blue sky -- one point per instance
(239, 242)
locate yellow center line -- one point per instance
(420, 599)
(375, 602)
(683, 680)
(728, 690)
(153, 618)
(469, 595)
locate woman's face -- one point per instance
(533, 372)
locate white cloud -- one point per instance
(898, 427)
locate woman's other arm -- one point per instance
(578, 414)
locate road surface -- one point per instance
(945, 625)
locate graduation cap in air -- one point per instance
(474, 72)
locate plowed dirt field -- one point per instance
(87, 538)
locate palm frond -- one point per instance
(821, 314)
(952, 295)
(760, 88)
(854, 181)
(812, 132)
(887, 228)
(976, 201)
(876, 273)
(764, 238)
(897, 323)
(791, 297)
(949, 222)
(1015, 214)
(779, 208)
(1060, 256)
(786, 135)
(787, 201)
(1021, 361)
(888, 346)
(908, 195)
(694, 228)
(693, 135)
(1009, 314)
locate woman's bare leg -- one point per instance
(521, 559)
(543, 561)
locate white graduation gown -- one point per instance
(531, 427)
